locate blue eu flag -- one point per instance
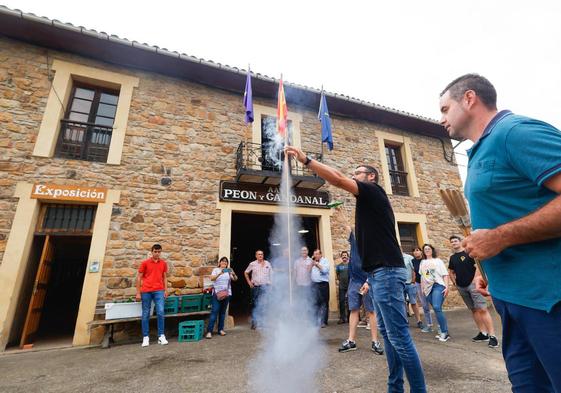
(323, 116)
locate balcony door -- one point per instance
(272, 144)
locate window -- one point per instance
(398, 175)
(105, 114)
(85, 132)
(408, 237)
(272, 144)
(398, 172)
(67, 219)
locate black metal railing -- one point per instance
(83, 141)
(399, 182)
(252, 156)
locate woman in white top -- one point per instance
(222, 276)
(434, 283)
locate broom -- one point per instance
(456, 205)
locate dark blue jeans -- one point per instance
(258, 299)
(531, 347)
(218, 311)
(387, 287)
(436, 298)
(321, 302)
(343, 303)
(147, 297)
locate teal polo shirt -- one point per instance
(506, 171)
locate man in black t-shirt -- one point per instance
(382, 260)
(462, 270)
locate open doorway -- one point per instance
(251, 232)
(52, 285)
(64, 289)
(53, 289)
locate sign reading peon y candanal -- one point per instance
(266, 194)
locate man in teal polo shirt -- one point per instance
(513, 186)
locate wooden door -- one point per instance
(39, 292)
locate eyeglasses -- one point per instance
(359, 172)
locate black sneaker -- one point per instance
(377, 348)
(493, 342)
(420, 325)
(347, 346)
(480, 338)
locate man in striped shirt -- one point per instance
(261, 272)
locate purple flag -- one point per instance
(248, 99)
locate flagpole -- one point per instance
(321, 137)
(288, 221)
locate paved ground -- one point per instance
(219, 365)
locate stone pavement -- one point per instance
(219, 365)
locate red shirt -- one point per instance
(152, 275)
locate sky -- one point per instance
(399, 54)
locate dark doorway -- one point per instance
(251, 232)
(408, 237)
(65, 286)
(51, 315)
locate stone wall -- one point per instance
(192, 131)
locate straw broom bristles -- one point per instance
(456, 204)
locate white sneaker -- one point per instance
(145, 341)
(444, 337)
(162, 340)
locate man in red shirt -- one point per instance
(151, 284)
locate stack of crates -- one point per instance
(206, 302)
(191, 331)
(171, 305)
(191, 303)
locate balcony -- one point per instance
(254, 166)
(83, 141)
(399, 182)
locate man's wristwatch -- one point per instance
(308, 160)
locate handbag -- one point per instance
(221, 295)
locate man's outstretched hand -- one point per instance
(295, 153)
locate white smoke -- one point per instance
(273, 142)
(291, 352)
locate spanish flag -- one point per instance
(282, 111)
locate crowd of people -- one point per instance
(512, 187)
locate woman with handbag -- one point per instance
(222, 276)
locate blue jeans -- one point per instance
(436, 298)
(147, 297)
(387, 287)
(531, 347)
(218, 310)
(258, 299)
(321, 302)
(424, 303)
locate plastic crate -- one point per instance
(191, 303)
(206, 302)
(171, 305)
(191, 331)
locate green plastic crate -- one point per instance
(206, 302)
(191, 303)
(191, 331)
(171, 305)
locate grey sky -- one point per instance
(398, 54)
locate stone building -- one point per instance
(108, 146)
